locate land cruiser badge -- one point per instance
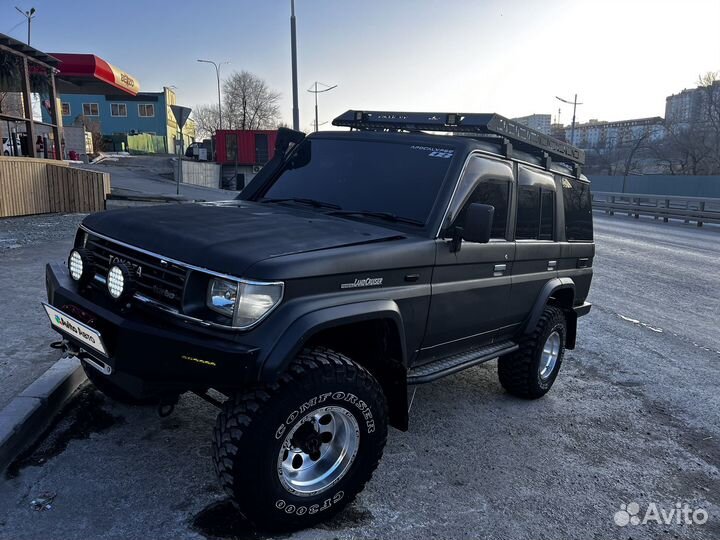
(365, 282)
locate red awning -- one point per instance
(89, 74)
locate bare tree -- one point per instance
(249, 103)
(709, 85)
(93, 126)
(207, 121)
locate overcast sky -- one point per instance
(622, 57)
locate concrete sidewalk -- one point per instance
(35, 381)
(26, 245)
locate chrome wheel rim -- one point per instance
(318, 451)
(549, 357)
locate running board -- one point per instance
(457, 362)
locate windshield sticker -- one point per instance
(445, 153)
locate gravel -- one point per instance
(23, 231)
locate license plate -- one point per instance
(71, 326)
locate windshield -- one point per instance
(401, 179)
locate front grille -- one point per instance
(157, 279)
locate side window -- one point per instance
(547, 215)
(528, 213)
(496, 193)
(578, 210)
(535, 214)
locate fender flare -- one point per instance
(303, 328)
(550, 288)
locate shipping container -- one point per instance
(249, 147)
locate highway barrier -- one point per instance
(688, 209)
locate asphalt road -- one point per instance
(633, 417)
(143, 175)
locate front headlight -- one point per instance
(245, 303)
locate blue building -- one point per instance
(118, 116)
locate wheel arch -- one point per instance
(558, 292)
(369, 333)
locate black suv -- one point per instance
(355, 264)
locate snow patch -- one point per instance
(644, 325)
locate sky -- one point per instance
(512, 57)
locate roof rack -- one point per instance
(485, 125)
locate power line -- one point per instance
(314, 90)
(574, 103)
(14, 28)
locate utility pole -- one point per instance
(316, 92)
(29, 16)
(293, 51)
(574, 103)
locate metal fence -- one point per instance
(688, 209)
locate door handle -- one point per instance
(499, 269)
(551, 265)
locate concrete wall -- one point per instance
(660, 184)
(200, 173)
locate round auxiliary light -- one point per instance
(80, 265)
(75, 264)
(118, 280)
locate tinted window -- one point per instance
(547, 214)
(400, 178)
(528, 213)
(578, 210)
(496, 194)
(535, 214)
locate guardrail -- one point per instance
(698, 209)
(39, 186)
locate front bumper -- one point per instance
(147, 354)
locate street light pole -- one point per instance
(293, 51)
(29, 16)
(316, 92)
(574, 103)
(217, 74)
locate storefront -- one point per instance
(32, 81)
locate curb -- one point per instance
(24, 418)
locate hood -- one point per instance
(231, 236)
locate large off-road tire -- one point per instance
(115, 393)
(295, 453)
(531, 371)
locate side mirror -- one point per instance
(478, 223)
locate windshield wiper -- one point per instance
(311, 202)
(387, 216)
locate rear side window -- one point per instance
(496, 193)
(547, 214)
(578, 210)
(535, 214)
(528, 213)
